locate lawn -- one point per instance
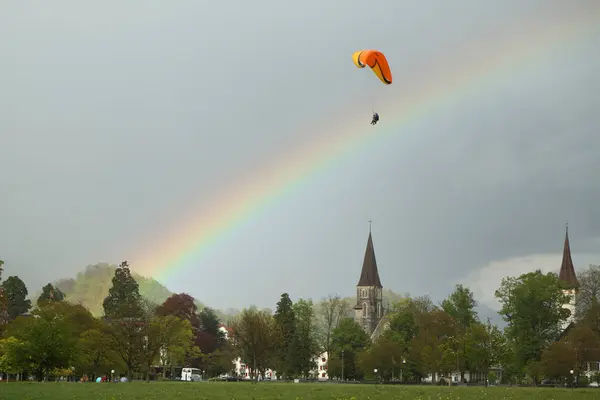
(269, 391)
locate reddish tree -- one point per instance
(182, 306)
(206, 342)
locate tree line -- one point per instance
(420, 338)
(61, 339)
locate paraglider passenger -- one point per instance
(375, 119)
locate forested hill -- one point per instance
(90, 287)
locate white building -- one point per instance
(321, 371)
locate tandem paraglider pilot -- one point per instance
(375, 119)
(378, 64)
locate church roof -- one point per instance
(369, 275)
(566, 331)
(567, 270)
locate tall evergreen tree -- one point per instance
(209, 321)
(3, 305)
(50, 293)
(306, 344)
(126, 310)
(15, 293)
(209, 337)
(123, 300)
(285, 325)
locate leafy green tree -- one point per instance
(574, 351)
(49, 337)
(485, 347)
(331, 310)
(252, 336)
(405, 319)
(385, 355)
(534, 371)
(161, 334)
(585, 344)
(460, 305)
(435, 347)
(50, 294)
(177, 342)
(123, 300)
(167, 334)
(557, 360)
(285, 342)
(347, 341)
(77, 316)
(150, 332)
(532, 304)
(11, 356)
(222, 360)
(15, 293)
(512, 371)
(306, 339)
(406, 316)
(125, 338)
(95, 357)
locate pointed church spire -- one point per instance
(369, 275)
(567, 270)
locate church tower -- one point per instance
(568, 278)
(369, 292)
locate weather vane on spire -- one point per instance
(370, 225)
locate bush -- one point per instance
(583, 381)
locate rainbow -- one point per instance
(524, 48)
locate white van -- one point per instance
(191, 374)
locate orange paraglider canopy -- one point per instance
(377, 61)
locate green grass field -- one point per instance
(269, 391)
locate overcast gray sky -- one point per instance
(120, 119)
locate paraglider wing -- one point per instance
(377, 61)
